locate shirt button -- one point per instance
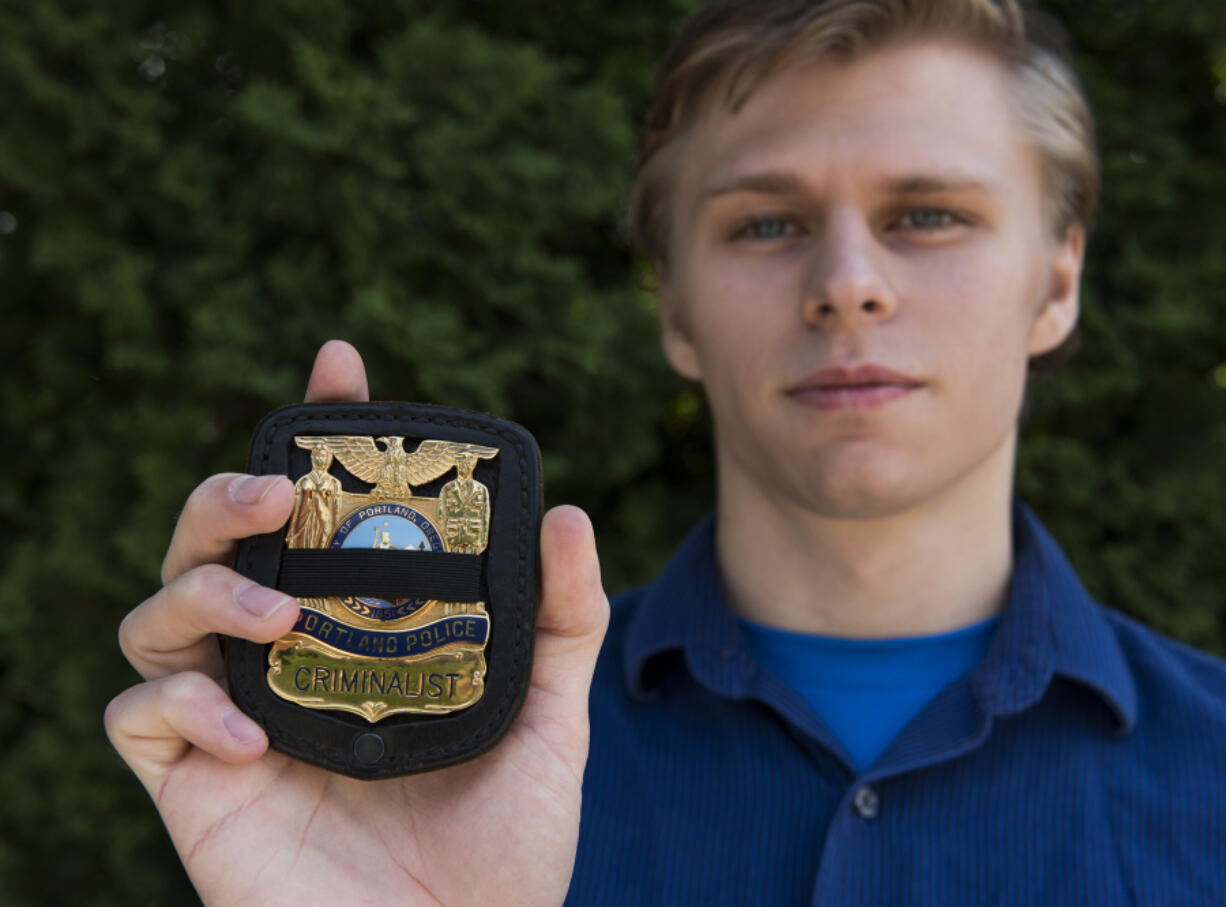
(866, 802)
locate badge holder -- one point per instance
(413, 551)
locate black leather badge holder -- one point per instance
(413, 550)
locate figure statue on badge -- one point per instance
(316, 501)
(464, 508)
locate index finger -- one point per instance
(223, 509)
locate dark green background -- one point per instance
(196, 199)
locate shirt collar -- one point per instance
(1049, 627)
(685, 610)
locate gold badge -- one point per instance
(372, 656)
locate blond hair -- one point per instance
(731, 48)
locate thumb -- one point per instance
(338, 375)
(574, 611)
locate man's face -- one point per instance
(885, 213)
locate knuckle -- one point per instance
(205, 583)
(182, 689)
(112, 716)
(126, 633)
(208, 494)
(119, 714)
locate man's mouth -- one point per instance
(856, 387)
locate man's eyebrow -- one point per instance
(924, 184)
(781, 182)
(769, 182)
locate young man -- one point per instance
(870, 678)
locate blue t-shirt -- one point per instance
(867, 690)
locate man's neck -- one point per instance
(931, 568)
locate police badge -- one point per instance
(412, 549)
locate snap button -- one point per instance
(866, 802)
(368, 748)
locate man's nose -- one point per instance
(847, 283)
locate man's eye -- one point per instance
(767, 228)
(927, 219)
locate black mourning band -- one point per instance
(436, 575)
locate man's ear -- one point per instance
(675, 335)
(1057, 317)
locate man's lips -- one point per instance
(854, 387)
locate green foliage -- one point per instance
(198, 198)
(1124, 457)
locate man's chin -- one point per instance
(843, 495)
(860, 501)
(857, 482)
(884, 486)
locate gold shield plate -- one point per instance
(370, 656)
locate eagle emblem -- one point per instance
(393, 471)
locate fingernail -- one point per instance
(259, 601)
(251, 489)
(241, 728)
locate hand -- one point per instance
(255, 826)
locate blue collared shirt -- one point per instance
(1082, 762)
